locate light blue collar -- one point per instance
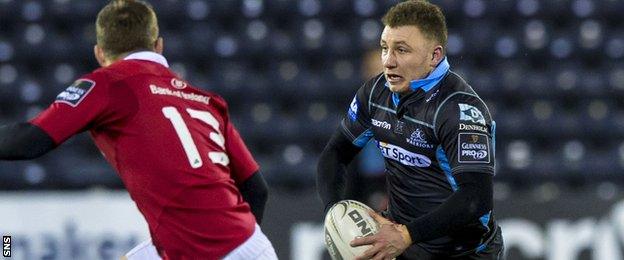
(434, 77)
(427, 83)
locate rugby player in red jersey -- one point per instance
(173, 145)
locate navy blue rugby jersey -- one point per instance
(426, 137)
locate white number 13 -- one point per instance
(188, 144)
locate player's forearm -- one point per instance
(472, 200)
(23, 141)
(330, 178)
(255, 191)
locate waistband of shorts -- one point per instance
(249, 249)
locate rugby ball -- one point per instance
(345, 221)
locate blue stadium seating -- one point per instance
(550, 71)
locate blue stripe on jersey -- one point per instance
(444, 164)
(395, 99)
(481, 247)
(485, 219)
(493, 128)
(361, 140)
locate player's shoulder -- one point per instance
(455, 89)
(373, 88)
(456, 94)
(215, 100)
(373, 83)
(105, 76)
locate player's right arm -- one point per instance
(23, 141)
(334, 159)
(73, 111)
(348, 140)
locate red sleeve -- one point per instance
(242, 162)
(75, 110)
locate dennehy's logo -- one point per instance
(403, 156)
(471, 114)
(473, 128)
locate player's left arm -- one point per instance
(255, 191)
(465, 130)
(246, 172)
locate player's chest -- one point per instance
(409, 139)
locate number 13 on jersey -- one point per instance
(186, 139)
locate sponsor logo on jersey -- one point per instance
(479, 128)
(179, 84)
(403, 156)
(75, 93)
(382, 124)
(353, 109)
(471, 114)
(176, 93)
(432, 96)
(417, 138)
(473, 148)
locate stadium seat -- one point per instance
(550, 72)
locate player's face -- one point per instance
(406, 55)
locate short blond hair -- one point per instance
(422, 14)
(126, 25)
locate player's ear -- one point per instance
(158, 46)
(99, 55)
(437, 56)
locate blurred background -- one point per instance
(550, 71)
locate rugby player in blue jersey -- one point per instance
(437, 138)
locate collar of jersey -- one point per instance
(148, 56)
(427, 83)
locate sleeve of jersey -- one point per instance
(75, 110)
(242, 163)
(356, 124)
(467, 136)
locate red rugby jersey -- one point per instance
(173, 146)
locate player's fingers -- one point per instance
(360, 241)
(380, 219)
(368, 254)
(379, 256)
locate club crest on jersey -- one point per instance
(179, 84)
(399, 127)
(417, 138)
(471, 114)
(353, 108)
(403, 156)
(75, 93)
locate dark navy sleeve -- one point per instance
(466, 132)
(356, 124)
